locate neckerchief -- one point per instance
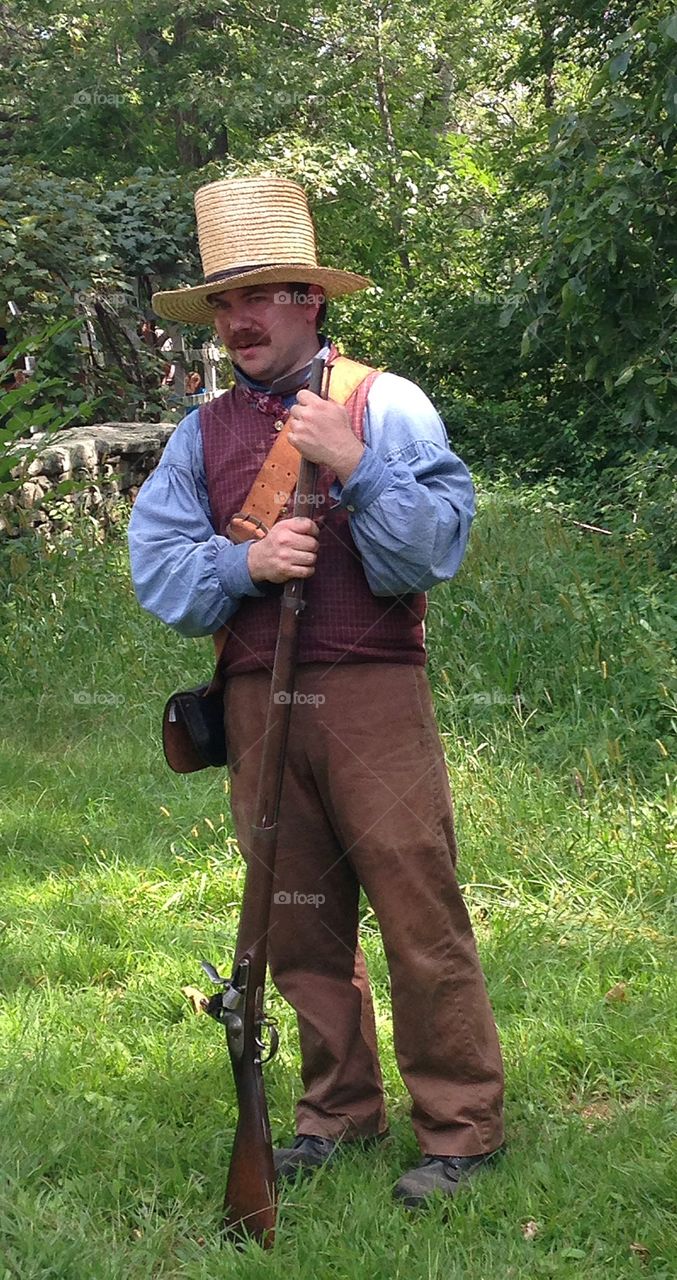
(271, 403)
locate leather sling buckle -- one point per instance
(238, 530)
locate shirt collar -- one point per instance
(289, 382)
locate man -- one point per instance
(366, 799)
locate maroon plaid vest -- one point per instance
(343, 621)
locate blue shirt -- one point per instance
(410, 501)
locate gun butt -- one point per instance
(250, 1205)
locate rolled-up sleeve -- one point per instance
(410, 499)
(183, 571)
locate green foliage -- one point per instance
(32, 407)
(600, 295)
(644, 488)
(504, 174)
(636, 499)
(150, 226)
(60, 257)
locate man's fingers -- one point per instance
(302, 524)
(288, 551)
(297, 542)
(306, 396)
(299, 556)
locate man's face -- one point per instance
(264, 331)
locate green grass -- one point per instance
(550, 663)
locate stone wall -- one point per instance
(104, 463)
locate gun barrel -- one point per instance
(250, 1206)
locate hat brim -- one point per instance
(190, 306)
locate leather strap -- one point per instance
(345, 376)
(277, 478)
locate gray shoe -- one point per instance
(306, 1155)
(437, 1173)
(310, 1153)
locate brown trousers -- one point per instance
(366, 801)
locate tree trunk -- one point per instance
(547, 53)
(392, 157)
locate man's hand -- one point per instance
(289, 550)
(321, 432)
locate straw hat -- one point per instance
(252, 231)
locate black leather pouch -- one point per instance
(193, 729)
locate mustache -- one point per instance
(248, 340)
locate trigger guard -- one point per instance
(273, 1045)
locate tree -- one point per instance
(600, 290)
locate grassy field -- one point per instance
(550, 662)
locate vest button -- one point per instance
(278, 425)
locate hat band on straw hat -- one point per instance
(257, 266)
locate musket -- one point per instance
(250, 1207)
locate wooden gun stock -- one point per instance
(250, 1207)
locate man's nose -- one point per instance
(237, 321)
